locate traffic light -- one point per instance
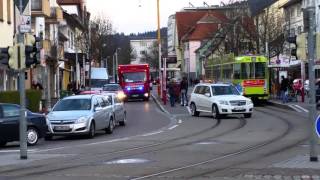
(301, 46)
(4, 56)
(13, 57)
(32, 50)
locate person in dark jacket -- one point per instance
(171, 92)
(284, 89)
(184, 91)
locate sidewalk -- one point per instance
(296, 105)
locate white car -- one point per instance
(220, 100)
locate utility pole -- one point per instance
(310, 12)
(159, 48)
(22, 122)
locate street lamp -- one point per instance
(115, 65)
(159, 45)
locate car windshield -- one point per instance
(134, 77)
(224, 90)
(111, 87)
(98, 83)
(73, 105)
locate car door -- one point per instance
(119, 108)
(9, 123)
(200, 98)
(195, 97)
(206, 99)
(97, 113)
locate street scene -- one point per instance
(159, 89)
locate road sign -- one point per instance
(317, 124)
(25, 24)
(24, 4)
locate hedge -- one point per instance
(33, 98)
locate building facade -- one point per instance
(141, 49)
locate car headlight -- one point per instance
(249, 102)
(121, 95)
(223, 102)
(81, 120)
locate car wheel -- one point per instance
(48, 137)
(109, 129)
(193, 110)
(248, 115)
(32, 136)
(92, 131)
(215, 112)
(2, 143)
(124, 121)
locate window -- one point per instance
(110, 99)
(292, 12)
(202, 89)
(299, 10)
(143, 52)
(260, 70)
(9, 11)
(1, 10)
(299, 30)
(224, 90)
(197, 90)
(207, 90)
(73, 105)
(95, 103)
(236, 71)
(10, 111)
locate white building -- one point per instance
(293, 18)
(8, 81)
(141, 49)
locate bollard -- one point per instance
(164, 97)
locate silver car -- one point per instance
(119, 111)
(81, 114)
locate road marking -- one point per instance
(303, 109)
(153, 133)
(109, 141)
(188, 108)
(180, 121)
(172, 127)
(16, 150)
(295, 108)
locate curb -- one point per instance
(159, 104)
(283, 106)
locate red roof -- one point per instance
(186, 21)
(203, 31)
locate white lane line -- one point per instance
(16, 150)
(180, 121)
(53, 149)
(153, 133)
(172, 127)
(303, 109)
(188, 109)
(103, 142)
(295, 108)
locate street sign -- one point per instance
(24, 4)
(317, 126)
(25, 24)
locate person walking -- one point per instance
(184, 91)
(284, 89)
(171, 92)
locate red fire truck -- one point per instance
(135, 80)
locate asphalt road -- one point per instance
(155, 145)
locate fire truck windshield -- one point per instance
(134, 77)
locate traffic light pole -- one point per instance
(23, 123)
(312, 101)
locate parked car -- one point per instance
(119, 111)
(9, 125)
(114, 88)
(219, 99)
(81, 114)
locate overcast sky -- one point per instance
(133, 16)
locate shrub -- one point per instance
(33, 98)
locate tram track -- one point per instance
(242, 151)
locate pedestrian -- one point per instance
(171, 92)
(184, 91)
(284, 89)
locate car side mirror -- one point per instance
(97, 109)
(207, 94)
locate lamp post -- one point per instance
(115, 64)
(310, 12)
(159, 48)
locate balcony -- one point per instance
(56, 16)
(46, 44)
(40, 8)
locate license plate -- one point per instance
(239, 108)
(135, 95)
(61, 128)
